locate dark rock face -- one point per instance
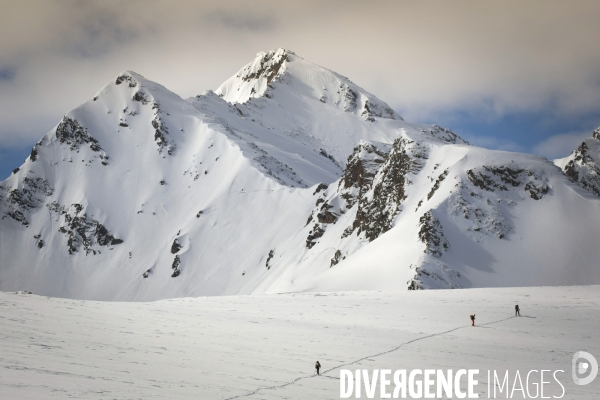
(175, 247)
(126, 78)
(161, 132)
(29, 197)
(270, 65)
(437, 184)
(337, 257)
(362, 165)
(374, 182)
(141, 97)
(34, 154)
(377, 211)
(584, 168)
(325, 216)
(316, 232)
(269, 258)
(18, 216)
(321, 186)
(81, 229)
(432, 235)
(71, 133)
(492, 178)
(175, 267)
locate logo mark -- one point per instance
(582, 363)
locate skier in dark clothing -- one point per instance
(473, 320)
(317, 367)
(517, 311)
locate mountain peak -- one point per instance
(583, 164)
(131, 77)
(254, 78)
(270, 72)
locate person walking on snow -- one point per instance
(517, 311)
(473, 320)
(317, 367)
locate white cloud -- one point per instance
(427, 58)
(561, 145)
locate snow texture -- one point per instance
(265, 346)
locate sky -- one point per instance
(509, 75)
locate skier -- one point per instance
(517, 311)
(473, 320)
(318, 367)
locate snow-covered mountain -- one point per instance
(583, 165)
(289, 177)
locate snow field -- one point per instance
(237, 346)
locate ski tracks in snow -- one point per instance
(361, 359)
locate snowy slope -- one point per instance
(437, 215)
(223, 347)
(168, 174)
(300, 180)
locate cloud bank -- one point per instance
(433, 61)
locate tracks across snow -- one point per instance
(361, 359)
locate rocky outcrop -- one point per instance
(81, 229)
(502, 178)
(269, 258)
(362, 165)
(126, 78)
(432, 235)
(316, 232)
(270, 66)
(378, 208)
(584, 166)
(325, 216)
(34, 154)
(161, 132)
(437, 184)
(175, 267)
(30, 196)
(337, 257)
(142, 97)
(71, 133)
(175, 247)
